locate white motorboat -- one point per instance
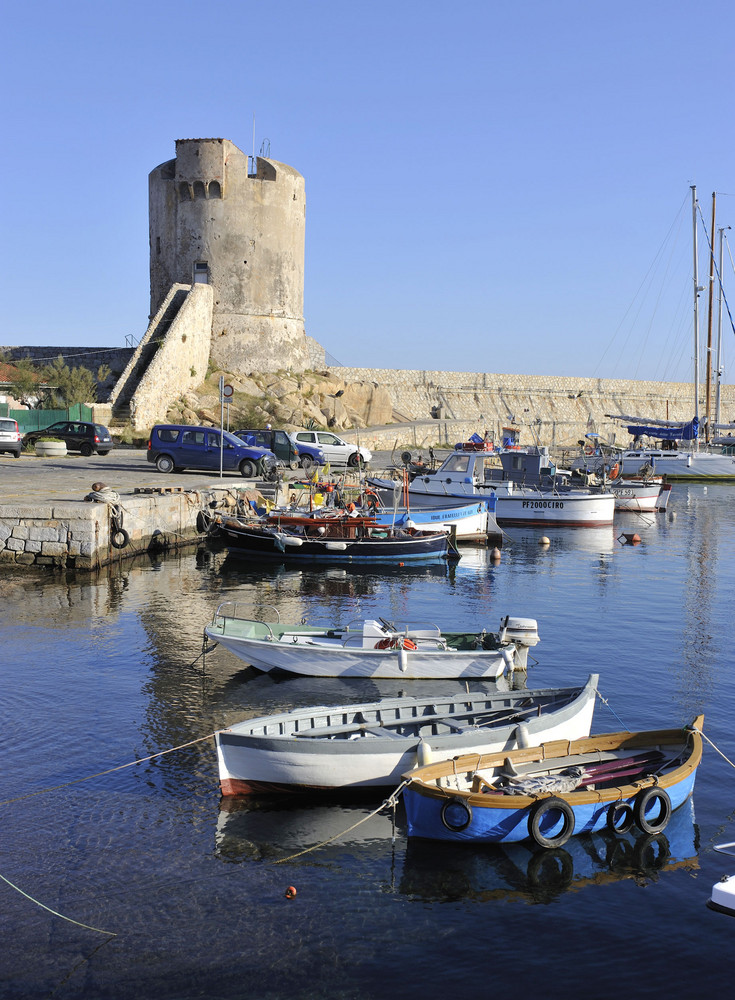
(372, 745)
(374, 647)
(549, 499)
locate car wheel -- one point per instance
(164, 463)
(355, 459)
(307, 463)
(86, 449)
(293, 464)
(247, 469)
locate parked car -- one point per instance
(175, 447)
(284, 447)
(79, 436)
(10, 439)
(336, 451)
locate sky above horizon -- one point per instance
(490, 187)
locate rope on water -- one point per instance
(110, 770)
(55, 912)
(390, 801)
(705, 737)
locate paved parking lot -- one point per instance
(30, 479)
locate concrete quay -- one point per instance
(45, 520)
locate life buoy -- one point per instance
(645, 802)
(456, 814)
(619, 817)
(541, 819)
(589, 451)
(615, 471)
(395, 642)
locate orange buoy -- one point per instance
(543, 540)
(631, 539)
(290, 892)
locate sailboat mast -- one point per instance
(696, 305)
(718, 363)
(708, 397)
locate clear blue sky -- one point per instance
(490, 186)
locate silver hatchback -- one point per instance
(10, 439)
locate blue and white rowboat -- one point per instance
(550, 792)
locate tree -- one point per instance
(68, 386)
(26, 384)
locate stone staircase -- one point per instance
(124, 390)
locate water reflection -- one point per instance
(271, 829)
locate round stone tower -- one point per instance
(214, 220)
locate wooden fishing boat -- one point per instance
(334, 539)
(373, 647)
(560, 788)
(371, 745)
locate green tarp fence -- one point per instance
(36, 420)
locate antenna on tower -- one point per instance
(252, 165)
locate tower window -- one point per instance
(184, 192)
(201, 272)
(199, 189)
(215, 191)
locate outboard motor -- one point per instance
(523, 632)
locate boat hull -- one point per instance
(374, 648)
(680, 465)
(285, 545)
(468, 523)
(515, 504)
(504, 818)
(300, 658)
(284, 752)
(641, 498)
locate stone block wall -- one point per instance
(76, 535)
(548, 410)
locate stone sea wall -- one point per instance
(77, 535)
(445, 406)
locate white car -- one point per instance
(336, 451)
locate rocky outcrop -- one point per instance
(288, 400)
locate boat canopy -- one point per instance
(665, 430)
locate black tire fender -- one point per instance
(619, 817)
(541, 809)
(456, 814)
(643, 801)
(119, 538)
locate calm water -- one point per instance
(99, 672)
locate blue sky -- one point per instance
(490, 186)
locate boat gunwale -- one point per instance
(418, 780)
(561, 702)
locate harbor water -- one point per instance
(141, 882)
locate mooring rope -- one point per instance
(110, 770)
(607, 704)
(55, 912)
(392, 801)
(714, 747)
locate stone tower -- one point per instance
(214, 220)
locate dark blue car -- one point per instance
(175, 447)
